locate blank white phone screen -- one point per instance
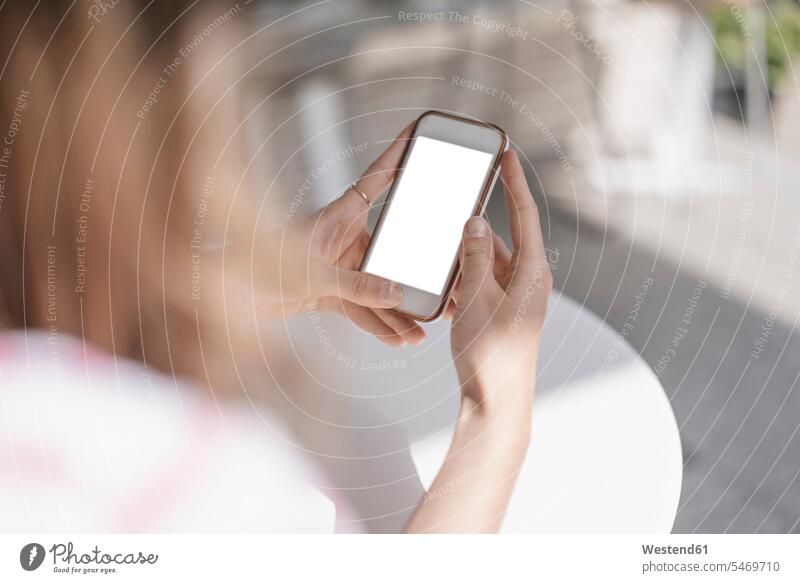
(421, 232)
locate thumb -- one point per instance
(476, 261)
(364, 289)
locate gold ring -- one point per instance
(354, 188)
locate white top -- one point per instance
(93, 444)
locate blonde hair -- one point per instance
(120, 162)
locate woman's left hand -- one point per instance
(315, 261)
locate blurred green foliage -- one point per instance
(734, 35)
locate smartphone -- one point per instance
(446, 176)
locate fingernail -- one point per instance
(477, 227)
(391, 293)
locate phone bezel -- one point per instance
(419, 304)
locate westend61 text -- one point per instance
(675, 550)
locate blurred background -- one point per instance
(661, 141)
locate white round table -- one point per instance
(605, 454)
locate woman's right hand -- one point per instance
(497, 321)
(502, 299)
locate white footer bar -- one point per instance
(389, 558)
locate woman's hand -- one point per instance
(502, 301)
(314, 262)
(497, 320)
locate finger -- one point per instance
(526, 233)
(449, 310)
(452, 301)
(352, 257)
(335, 228)
(369, 322)
(501, 252)
(360, 288)
(405, 327)
(382, 171)
(476, 260)
(502, 258)
(455, 292)
(346, 217)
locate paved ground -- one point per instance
(730, 370)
